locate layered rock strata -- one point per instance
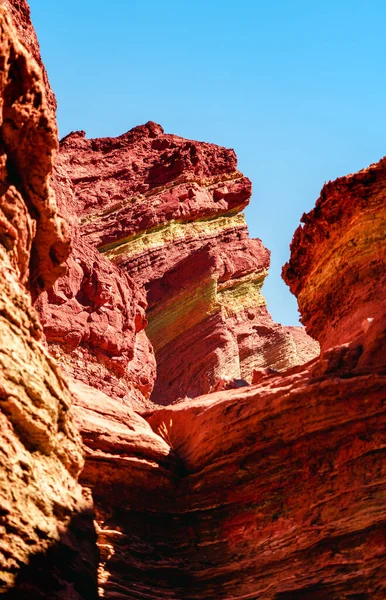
(94, 316)
(47, 539)
(166, 211)
(342, 273)
(274, 491)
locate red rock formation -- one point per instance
(167, 211)
(45, 520)
(342, 272)
(94, 317)
(274, 491)
(306, 347)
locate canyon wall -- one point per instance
(94, 316)
(275, 490)
(47, 546)
(342, 272)
(167, 212)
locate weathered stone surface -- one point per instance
(94, 316)
(127, 464)
(95, 312)
(337, 266)
(306, 347)
(167, 211)
(274, 491)
(21, 18)
(45, 518)
(29, 138)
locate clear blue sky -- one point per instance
(296, 87)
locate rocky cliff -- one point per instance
(94, 316)
(167, 212)
(47, 546)
(276, 491)
(342, 272)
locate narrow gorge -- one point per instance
(162, 436)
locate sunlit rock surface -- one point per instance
(338, 256)
(47, 539)
(94, 316)
(167, 211)
(276, 490)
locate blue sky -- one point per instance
(297, 88)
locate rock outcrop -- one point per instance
(94, 316)
(47, 547)
(20, 14)
(166, 212)
(342, 272)
(273, 491)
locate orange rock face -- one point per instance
(45, 519)
(20, 14)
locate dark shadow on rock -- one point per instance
(66, 571)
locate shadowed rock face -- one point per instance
(43, 511)
(94, 316)
(166, 211)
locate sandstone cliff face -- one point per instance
(342, 272)
(94, 316)
(20, 14)
(276, 491)
(166, 211)
(45, 520)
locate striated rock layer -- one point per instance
(166, 211)
(47, 539)
(276, 491)
(342, 273)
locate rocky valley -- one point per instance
(162, 436)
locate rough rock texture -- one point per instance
(166, 211)
(275, 491)
(21, 18)
(94, 316)
(342, 274)
(28, 139)
(45, 519)
(306, 347)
